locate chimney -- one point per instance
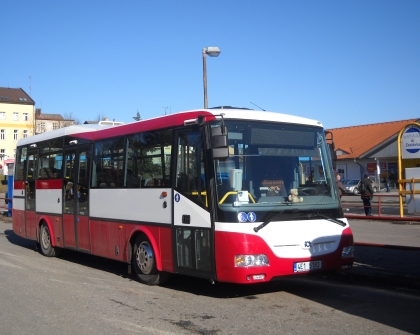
(38, 111)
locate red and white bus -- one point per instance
(231, 195)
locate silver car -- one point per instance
(351, 186)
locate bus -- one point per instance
(229, 195)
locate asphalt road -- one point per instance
(82, 294)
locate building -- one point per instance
(47, 122)
(371, 149)
(18, 120)
(16, 116)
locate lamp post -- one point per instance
(212, 52)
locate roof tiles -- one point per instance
(357, 140)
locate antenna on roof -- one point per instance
(257, 106)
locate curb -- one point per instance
(388, 246)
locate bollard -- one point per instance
(10, 195)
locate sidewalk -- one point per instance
(386, 252)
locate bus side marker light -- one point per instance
(120, 227)
(164, 194)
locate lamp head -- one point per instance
(212, 51)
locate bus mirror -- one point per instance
(331, 146)
(220, 153)
(219, 143)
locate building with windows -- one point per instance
(16, 116)
(19, 119)
(47, 122)
(370, 149)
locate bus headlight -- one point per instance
(347, 252)
(251, 260)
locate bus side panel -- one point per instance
(116, 241)
(19, 222)
(48, 196)
(99, 238)
(166, 251)
(83, 238)
(31, 224)
(69, 233)
(18, 212)
(58, 230)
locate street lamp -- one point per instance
(212, 52)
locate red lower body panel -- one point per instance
(228, 245)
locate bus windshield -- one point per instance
(274, 167)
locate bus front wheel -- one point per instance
(144, 263)
(45, 242)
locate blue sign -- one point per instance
(177, 197)
(252, 217)
(242, 217)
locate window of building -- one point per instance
(2, 134)
(15, 116)
(25, 134)
(2, 153)
(25, 117)
(15, 134)
(40, 128)
(55, 125)
(2, 115)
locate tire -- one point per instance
(144, 263)
(355, 191)
(375, 189)
(46, 247)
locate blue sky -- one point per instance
(344, 63)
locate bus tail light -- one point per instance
(251, 260)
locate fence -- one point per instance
(384, 207)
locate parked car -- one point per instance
(351, 186)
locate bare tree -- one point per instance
(31, 124)
(99, 117)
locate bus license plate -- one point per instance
(307, 266)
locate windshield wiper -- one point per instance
(321, 216)
(266, 222)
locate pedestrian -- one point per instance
(340, 186)
(386, 180)
(366, 192)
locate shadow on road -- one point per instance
(386, 305)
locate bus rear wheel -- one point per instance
(144, 263)
(45, 242)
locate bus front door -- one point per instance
(193, 236)
(76, 198)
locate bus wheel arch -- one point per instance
(45, 241)
(144, 261)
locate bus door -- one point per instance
(30, 193)
(76, 198)
(193, 236)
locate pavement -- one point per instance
(386, 252)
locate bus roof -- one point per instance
(96, 131)
(75, 129)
